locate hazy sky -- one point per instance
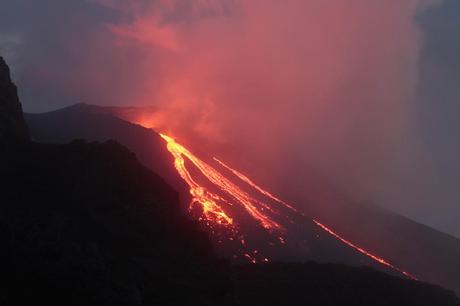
(364, 90)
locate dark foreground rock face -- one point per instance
(86, 224)
(12, 125)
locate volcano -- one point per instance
(86, 223)
(248, 223)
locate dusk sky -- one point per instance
(366, 91)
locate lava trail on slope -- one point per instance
(225, 208)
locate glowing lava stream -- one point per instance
(209, 200)
(248, 181)
(214, 212)
(322, 226)
(211, 209)
(363, 251)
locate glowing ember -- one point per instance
(363, 251)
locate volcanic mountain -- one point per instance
(268, 229)
(87, 224)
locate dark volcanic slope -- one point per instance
(427, 253)
(92, 123)
(432, 255)
(86, 224)
(313, 284)
(305, 241)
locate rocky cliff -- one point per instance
(13, 128)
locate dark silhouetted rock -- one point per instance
(87, 224)
(13, 128)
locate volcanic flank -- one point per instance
(399, 245)
(255, 225)
(87, 224)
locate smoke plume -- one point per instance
(281, 87)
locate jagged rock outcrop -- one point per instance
(13, 128)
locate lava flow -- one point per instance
(248, 181)
(363, 251)
(212, 203)
(215, 207)
(208, 200)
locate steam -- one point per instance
(295, 84)
(279, 88)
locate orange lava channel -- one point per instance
(322, 226)
(212, 203)
(363, 251)
(248, 181)
(209, 200)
